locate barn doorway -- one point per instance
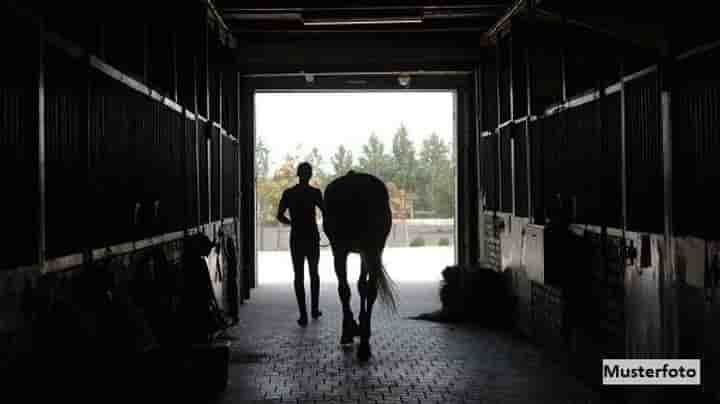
(406, 138)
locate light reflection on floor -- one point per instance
(404, 264)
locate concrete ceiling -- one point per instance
(404, 16)
(280, 36)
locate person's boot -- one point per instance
(314, 304)
(314, 298)
(303, 320)
(300, 295)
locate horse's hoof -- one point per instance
(350, 330)
(363, 352)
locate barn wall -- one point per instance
(111, 155)
(595, 146)
(116, 142)
(695, 125)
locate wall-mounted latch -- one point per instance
(714, 271)
(645, 255)
(631, 252)
(712, 277)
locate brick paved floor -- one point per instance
(276, 361)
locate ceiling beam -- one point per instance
(647, 36)
(469, 17)
(498, 6)
(214, 12)
(514, 10)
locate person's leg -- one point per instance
(313, 260)
(298, 260)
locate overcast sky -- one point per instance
(327, 120)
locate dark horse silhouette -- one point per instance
(358, 219)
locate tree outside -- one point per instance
(342, 161)
(438, 171)
(374, 160)
(421, 183)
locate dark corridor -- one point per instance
(585, 138)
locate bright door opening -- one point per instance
(405, 138)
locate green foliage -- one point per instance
(417, 242)
(342, 161)
(269, 190)
(262, 159)
(374, 160)
(444, 242)
(404, 163)
(438, 177)
(317, 161)
(266, 192)
(420, 181)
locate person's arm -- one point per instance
(320, 202)
(281, 211)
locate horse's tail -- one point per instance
(386, 288)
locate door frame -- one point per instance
(461, 83)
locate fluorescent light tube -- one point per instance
(362, 21)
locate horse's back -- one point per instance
(357, 208)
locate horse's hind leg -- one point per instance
(349, 326)
(362, 291)
(367, 286)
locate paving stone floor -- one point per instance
(274, 360)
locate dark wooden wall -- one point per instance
(129, 133)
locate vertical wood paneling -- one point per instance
(583, 157)
(215, 174)
(66, 93)
(520, 182)
(489, 171)
(504, 73)
(113, 135)
(696, 146)
(229, 177)
(104, 148)
(489, 102)
(553, 138)
(612, 155)
(506, 173)
(191, 194)
(537, 154)
(203, 174)
(19, 141)
(201, 29)
(644, 155)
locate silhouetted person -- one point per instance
(301, 200)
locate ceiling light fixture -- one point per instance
(361, 21)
